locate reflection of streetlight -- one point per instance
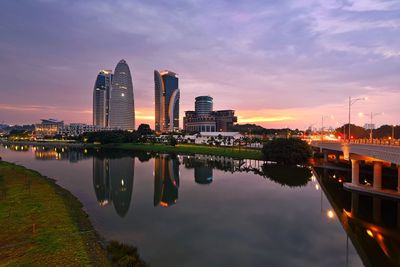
(369, 232)
(330, 214)
(351, 102)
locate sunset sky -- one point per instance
(277, 63)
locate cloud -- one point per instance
(290, 56)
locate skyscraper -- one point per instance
(122, 112)
(101, 98)
(166, 101)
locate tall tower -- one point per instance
(167, 96)
(101, 98)
(122, 110)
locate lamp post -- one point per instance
(393, 132)
(370, 125)
(351, 102)
(322, 125)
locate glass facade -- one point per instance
(167, 97)
(101, 98)
(122, 111)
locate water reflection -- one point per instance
(292, 176)
(166, 180)
(113, 182)
(372, 223)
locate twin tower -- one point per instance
(113, 103)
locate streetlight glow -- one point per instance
(330, 214)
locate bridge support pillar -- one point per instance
(377, 175)
(337, 157)
(398, 178)
(355, 171)
(398, 215)
(325, 156)
(376, 212)
(354, 204)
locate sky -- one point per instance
(284, 63)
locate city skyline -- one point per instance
(277, 64)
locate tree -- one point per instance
(144, 129)
(172, 141)
(289, 151)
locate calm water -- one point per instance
(204, 211)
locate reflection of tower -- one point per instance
(101, 180)
(113, 181)
(203, 174)
(166, 180)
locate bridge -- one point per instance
(380, 153)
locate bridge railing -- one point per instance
(386, 142)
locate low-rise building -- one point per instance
(215, 138)
(204, 119)
(76, 129)
(48, 128)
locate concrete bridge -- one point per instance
(379, 153)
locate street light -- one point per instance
(322, 125)
(370, 125)
(351, 102)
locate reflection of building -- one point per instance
(166, 101)
(48, 128)
(113, 182)
(371, 222)
(54, 153)
(166, 180)
(203, 174)
(122, 113)
(101, 180)
(204, 119)
(101, 98)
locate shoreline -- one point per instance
(43, 223)
(190, 149)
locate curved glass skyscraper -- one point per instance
(101, 97)
(122, 112)
(167, 96)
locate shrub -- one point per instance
(125, 255)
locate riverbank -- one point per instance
(43, 224)
(233, 152)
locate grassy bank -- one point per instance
(42, 224)
(235, 152)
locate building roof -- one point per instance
(51, 121)
(220, 133)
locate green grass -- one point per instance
(233, 152)
(42, 224)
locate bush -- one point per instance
(125, 255)
(290, 151)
